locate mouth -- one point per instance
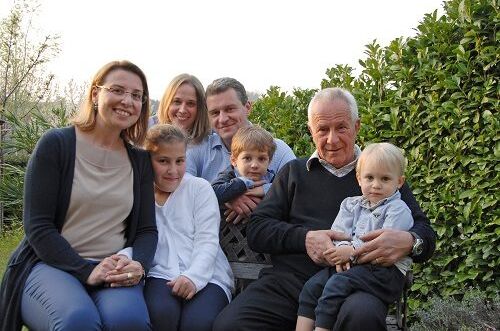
(182, 118)
(122, 112)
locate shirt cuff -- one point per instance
(248, 182)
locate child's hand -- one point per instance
(182, 287)
(339, 254)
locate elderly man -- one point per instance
(228, 110)
(292, 224)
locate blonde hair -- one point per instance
(163, 134)
(201, 125)
(383, 153)
(252, 137)
(85, 120)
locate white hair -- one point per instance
(331, 94)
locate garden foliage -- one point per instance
(436, 95)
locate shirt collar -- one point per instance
(341, 172)
(366, 204)
(216, 142)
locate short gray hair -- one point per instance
(331, 94)
(223, 84)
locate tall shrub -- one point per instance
(436, 95)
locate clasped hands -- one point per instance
(116, 271)
(240, 208)
(383, 247)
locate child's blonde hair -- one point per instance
(163, 134)
(383, 153)
(252, 137)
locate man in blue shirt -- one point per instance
(228, 110)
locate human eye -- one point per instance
(117, 90)
(386, 179)
(137, 96)
(213, 113)
(181, 161)
(191, 103)
(176, 102)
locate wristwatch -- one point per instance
(418, 245)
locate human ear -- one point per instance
(401, 181)
(233, 160)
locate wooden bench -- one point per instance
(246, 265)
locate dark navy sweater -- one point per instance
(300, 200)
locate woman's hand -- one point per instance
(182, 287)
(127, 272)
(98, 275)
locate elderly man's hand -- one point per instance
(319, 241)
(240, 208)
(384, 247)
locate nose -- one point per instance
(182, 108)
(223, 117)
(127, 99)
(332, 137)
(376, 183)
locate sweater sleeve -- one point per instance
(421, 225)
(43, 182)
(227, 186)
(146, 235)
(206, 236)
(269, 230)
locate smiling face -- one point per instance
(118, 112)
(169, 165)
(227, 114)
(184, 107)
(333, 131)
(378, 180)
(252, 163)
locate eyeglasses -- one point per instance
(120, 92)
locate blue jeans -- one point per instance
(171, 313)
(55, 300)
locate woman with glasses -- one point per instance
(184, 105)
(88, 196)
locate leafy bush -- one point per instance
(436, 96)
(474, 312)
(23, 135)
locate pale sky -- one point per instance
(261, 43)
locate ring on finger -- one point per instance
(129, 275)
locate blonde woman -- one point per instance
(184, 105)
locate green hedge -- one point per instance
(436, 96)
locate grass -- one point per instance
(8, 242)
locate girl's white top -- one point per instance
(188, 237)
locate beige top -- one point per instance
(101, 200)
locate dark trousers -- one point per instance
(171, 313)
(324, 294)
(271, 303)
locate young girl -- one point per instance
(191, 280)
